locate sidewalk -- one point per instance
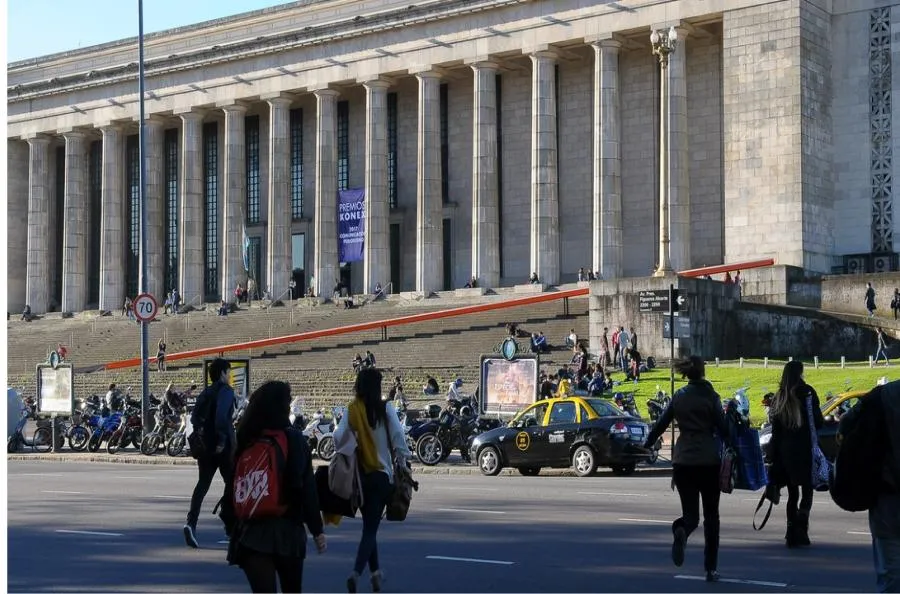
(453, 467)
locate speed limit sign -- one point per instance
(145, 307)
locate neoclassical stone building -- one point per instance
(492, 138)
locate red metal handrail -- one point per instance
(423, 317)
(720, 268)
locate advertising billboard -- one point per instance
(55, 389)
(507, 386)
(239, 379)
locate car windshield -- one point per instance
(604, 408)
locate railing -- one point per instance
(197, 298)
(382, 325)
(383, 291)
(722, 268)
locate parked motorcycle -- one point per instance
(104, 431)
(455, 428)
(655, 407)
(319, 432)
(17, 439)
(177, 441)
(625, 401)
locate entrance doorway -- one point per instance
(346, 276)
(395, 258)
(298, 265)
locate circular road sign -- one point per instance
(145, 307)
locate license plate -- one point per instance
(636, 430)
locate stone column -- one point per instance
(17, 159)
(679, 184)
(156, 219)
(607, 226)
(75, 224)
(37, 268)
(544, 175)
(112, 222)
(190, 208)
(325, 254)
(429, 205)
(232, 247)
(485, 183)
(278, 230)
(376, 252)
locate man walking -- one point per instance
(870, 300)
(212, 415)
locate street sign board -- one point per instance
(145, 307)
(682, 328)
(658, 301)
(55, 389)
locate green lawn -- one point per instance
(728, 378)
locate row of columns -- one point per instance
(607, 251)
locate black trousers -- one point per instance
(206, 469)
(800, 498)
(694, 483)
(376, 490)
(261, 570)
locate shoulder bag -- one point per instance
(821, 467)
(399, 500)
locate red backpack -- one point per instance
(258, 476)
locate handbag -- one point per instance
(727, 470)
(399, 500)
(329, 502)
(751, 468)
(821, 467)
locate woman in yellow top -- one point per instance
(377, 429)
(564, 390)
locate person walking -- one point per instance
(884, 515)
(881, 347)
(212, 414)
(791, 448)
(160, 355)
(378, 433)
(870, 300)
(895, 302)
(275, 545)
(696, 460)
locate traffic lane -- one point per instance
(578, 538)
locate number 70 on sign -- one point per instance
(145, 307)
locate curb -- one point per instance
(454, 469)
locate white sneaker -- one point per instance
(190, 539)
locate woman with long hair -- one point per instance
(376, 427)
(791, 448)
(696, 460)
(270, 546)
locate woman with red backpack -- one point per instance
(273, 495)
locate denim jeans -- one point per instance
(886, 554)
(376, 488)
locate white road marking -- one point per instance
(170, 497)
(132, 477)
(643, 521)
(469, 511)
(89, 533)
(698, 578)
(64, 492)
(37, 474)
(468, 560)
(223, 542)
(460, 489)
(618, 494)
(860, 533)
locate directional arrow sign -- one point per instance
(682, 328)
(658, 301)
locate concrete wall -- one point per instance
(16, 223)
(781, 285)
(846, 293)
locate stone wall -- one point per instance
(16, 223)
(781, 285)
(846, 293)
(515, 215)
(459, 130)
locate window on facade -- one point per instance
(343, 144)
(211, 205)
(251, 143)
(95, 185)
(445, 144)
(170, 167)
(296, 164)
(392, 148)
(133, 185)
(499, 98)
(255, 253)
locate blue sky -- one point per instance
(40, 27)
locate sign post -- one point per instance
(672, 307)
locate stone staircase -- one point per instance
(319, 369)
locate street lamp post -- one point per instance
(663, 43)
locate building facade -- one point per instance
(492, 139)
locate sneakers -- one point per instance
(377, 578)
(678, 546)
(190, 538)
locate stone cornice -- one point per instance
(217, 54)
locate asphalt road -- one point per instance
(81, 527)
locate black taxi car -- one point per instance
(583, 433)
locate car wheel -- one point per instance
(584, 462)
(529, 470)
(623, 470)
(489, 461)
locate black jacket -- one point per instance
(701, 424)
(792, 447)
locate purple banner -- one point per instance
(351, 225)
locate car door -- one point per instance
(562, 427)
(523, 447)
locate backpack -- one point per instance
(258, 478)
(202, 438)
(859, 464)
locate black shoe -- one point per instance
(352, 582)
(712, 576)
(802, 534)
(190, 538)
(678, 547)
